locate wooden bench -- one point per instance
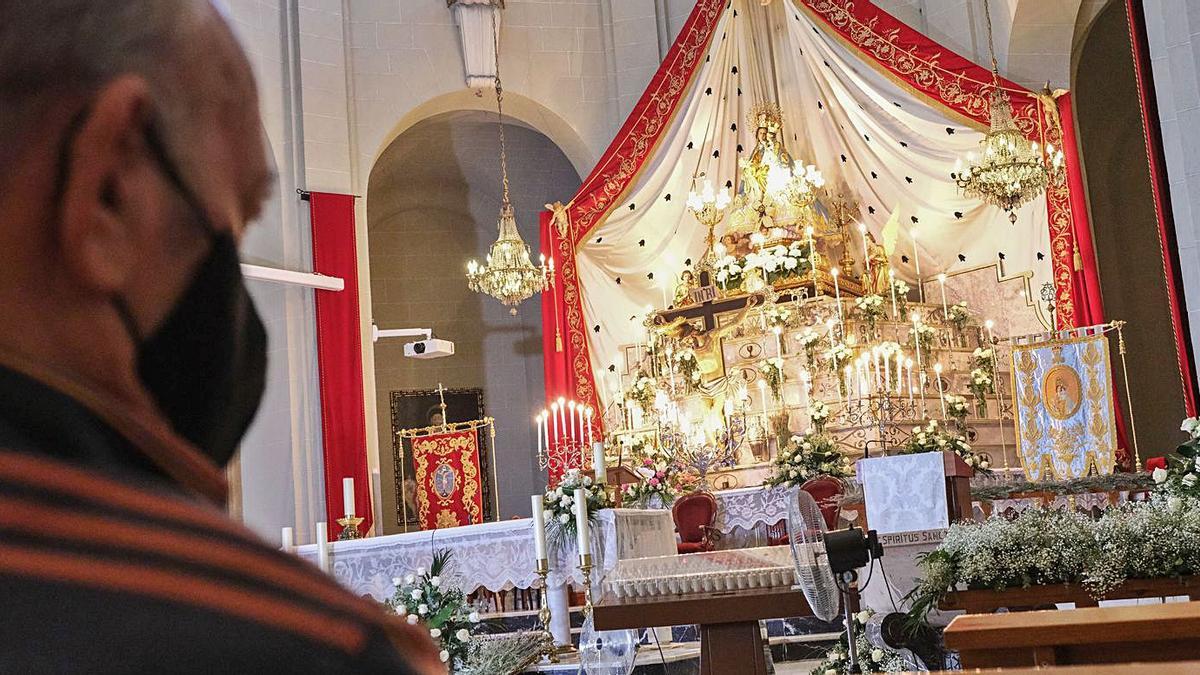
(1094, 635)
(1042, 597)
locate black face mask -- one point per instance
(205, 365)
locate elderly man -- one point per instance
(131, 360)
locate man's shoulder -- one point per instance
(103, 555)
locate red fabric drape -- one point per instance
(339, 356)
(1089, 306)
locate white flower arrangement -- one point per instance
(839, 354)
(689, 367)
(559, 504)
(1159, 538)
(777, 263)
(772, 371)
(870, 308)
(777, 316)
(809, 456)
(442, 608)
(959, 315)
(956, 407)
(1179, 475)
(818, 413)
(642, 391)
(923, 336)
(932, 437)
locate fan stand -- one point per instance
(846, 581)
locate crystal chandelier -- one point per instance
(507, 274)
(1011, 170)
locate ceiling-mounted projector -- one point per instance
(429, 349)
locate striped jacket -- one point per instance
(111, 564)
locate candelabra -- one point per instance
(700, 454)
(552, 650)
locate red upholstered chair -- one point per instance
(694, 516)
(827, 492)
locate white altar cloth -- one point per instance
(497, 556)
(744, 514)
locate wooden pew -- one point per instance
(1093, 635)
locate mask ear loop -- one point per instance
(158, 149)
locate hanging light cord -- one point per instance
(500, 106)
(987, 15)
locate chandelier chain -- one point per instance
(987, 15)
(500, 106)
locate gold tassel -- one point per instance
(558, 347)
(1078, 260)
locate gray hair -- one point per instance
(54, 49)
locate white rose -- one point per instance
(436, 582)
(564, 517)
(402, 610)
(463, 635)
(1160, 475)
(548, 514)
(877, 655)
(863, 616)
(435, 633)
(417, 593)
(985, 464)
(1174, 503)
(1191, 425)
(397, 581)
(420, 571)
(412, 618)
(422, 609)
(474, 617)
(409, 579)
(444, 655)
(1190, 479)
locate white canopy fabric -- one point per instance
(869, 136)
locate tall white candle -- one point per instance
(916, 317)
(937, 374)
(846, 379)
(598, 463)
(348, 496)
(323, 548)
(778, 344)
(539, 526)
(579, 414)
(945, 308)
(554, 414)
(990, 341)
(582, 535)
(887, 373)
(590, 433)
(571, 419)
(899, 369)
(288, 539)
(837, 293)
(908, 365)
(537, 422)
(917, 263)
(892, 286)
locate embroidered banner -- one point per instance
(1066, 426)
(447, 473)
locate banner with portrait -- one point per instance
(1066, 422)
(447, 471)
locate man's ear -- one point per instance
(109, 193)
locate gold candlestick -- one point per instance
(552, 650)
(585, 566)
(349, 528)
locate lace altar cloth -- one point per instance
(497, 556)
(765, 567)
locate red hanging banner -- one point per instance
(339, 356)
(447, 471)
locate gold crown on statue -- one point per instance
(767, 116)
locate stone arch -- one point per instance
(517, 108)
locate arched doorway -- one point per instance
(432, 203)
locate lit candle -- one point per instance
(875, 363)
(778, 344)
(571, 417)
(582, 536)
(887, 373)
(288, 539)
(908, 365)
(988, 325)
(591, 432)
(323, 548)
(562, 419)
(348, 496)
(917, 263)
(862, 229)
(846, 379)
(546, 428)
(837, 292)
(555, 415)
(579, 409)
(916, 318)
(812, 258)
(892, 286)
(937, 374)
(899, 369)
(598, 463)
(539, 526)
(945, 309)
(537, 422)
